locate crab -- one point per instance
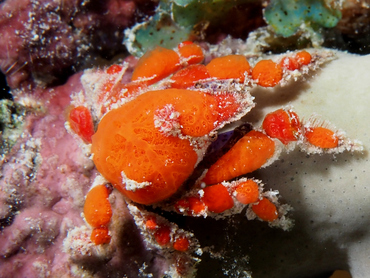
(170, 134)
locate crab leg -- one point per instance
(227, 198)
(251, 152)
(98, 212)
(312, 136)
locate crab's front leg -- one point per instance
(312, 135)
(258, 149)
(281, 129)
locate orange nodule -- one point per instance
(197, 114)
(289, 63)
(151, 223)
(191, 53)
(267, 73)
(181, 244)
(227, 67)
(128, 142)
(186, 77)
(100, 235)
(81, 122)
(182, 206)
(322, 137)
(303, 57)
(283, 125)
(114, 69)
(247, 192)
(227, 106)
(97, 208)
(265, 210)
(247, 155)
(162, 235)
(196, 205)
(217, 198)
(156, 64)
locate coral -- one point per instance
(37, 207)
(46, 40)
(352, 31)
(11, 120)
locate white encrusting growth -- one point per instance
(166, 120)
(133, 185)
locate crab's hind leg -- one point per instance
(312, 136)
(98, 213)
(227, 198)
(180, 248)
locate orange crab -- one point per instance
(155, 135)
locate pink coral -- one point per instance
(44, 181)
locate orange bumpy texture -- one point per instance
(247, 155)
(187, 77)
(303, 57)
(81, 122)
(265, 210)
(231, 66)
(217, 198)
(191, 53)
(156, 64)
(97, 208)
(100, 235)
(181, 244)
(283, 125)
(322, 137)
(247, 192)
(267, 73)
(127, 141)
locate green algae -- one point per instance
(286, 17)
(176, 21)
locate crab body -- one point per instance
(157, 132)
